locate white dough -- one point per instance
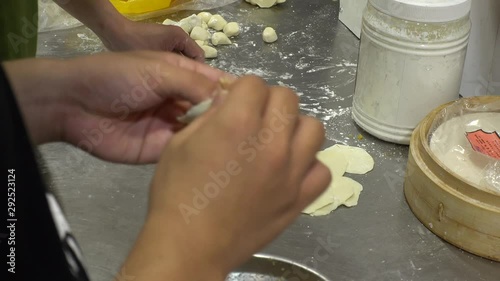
(204, 25)
(217, 22)
(219, 38)
(232, 29)
(199, 33)
(200, 42)
(358, 160)
(205, 16)
(169, 22)
(342, 190)
(337, 194)
(334, 160)
(265, 3)
(195, 111)
(269, 35)
(210, 52)
(187, 24)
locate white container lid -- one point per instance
(428, 11)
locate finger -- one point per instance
(198, 67)
(316, 181)
(247, 96)
(282, 114)
(307, 141)
(182, 43)
(184, 84)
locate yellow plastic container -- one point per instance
(136, 7)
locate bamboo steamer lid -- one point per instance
(456, 211)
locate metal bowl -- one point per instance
(270, 268)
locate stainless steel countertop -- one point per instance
(380, 239)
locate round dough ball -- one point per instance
(269, 35)
(199, 33)
(200, 42)
(210, 52)
(205, 16)
(189, 23)
(169, 22)
(232, 29)
(219, 38)
(217, 22)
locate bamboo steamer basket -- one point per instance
(456, 211)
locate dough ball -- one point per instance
(210, 52)
(269, 35)
(205, 16)
(217, 22)
(232, 29)
(358, 160)
(200, 42)
(169, 22)
(280, 1)
(199, 33)
(189, 23)
(219, 38)
(204, 25)
(265, 3)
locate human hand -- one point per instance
(228, 184)
(121, 107)
(146, 36)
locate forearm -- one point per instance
(99, 15)
(38, 87)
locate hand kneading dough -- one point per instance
(232, 29)
(342, 190)
(199, 33)
(210, 52)
(217, 22)
(219, 38)
(195, 111)
(269, 35)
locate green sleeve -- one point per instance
(18, 29)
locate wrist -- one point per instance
(38, 85)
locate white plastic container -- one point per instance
(411, 61)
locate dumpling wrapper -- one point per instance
(335, 160)
(358, 160)
(337, 194)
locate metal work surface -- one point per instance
(380, 239)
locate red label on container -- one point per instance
(485, 143)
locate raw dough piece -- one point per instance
(342, 190)
(358, 160)
(169, 22)
(334, 160)
(199, 33)
(337, 194)
(265, 3)
(269, 35)
(204, 25)
(217, 22)
(219, 38)
(205, 16)
(210, 52)
(190, 22)
(200, 42)
(232, 29)
(195, 111)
